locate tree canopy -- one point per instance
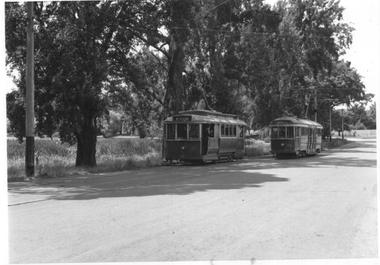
(145, 60)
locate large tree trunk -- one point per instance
(86, 149)
(175, 86)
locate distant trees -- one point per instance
(97, 62)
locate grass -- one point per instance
(256, 147)
(335, 142)
(54, 159)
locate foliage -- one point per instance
(102, 63)
(112, 124)
(256, 147)
(73, 43)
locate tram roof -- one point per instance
(205, 116)
(294, 121)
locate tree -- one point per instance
(73, 42)
(370, 122)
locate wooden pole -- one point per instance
(29, 125)
(330, 109)
(315, 105)
(342, 126)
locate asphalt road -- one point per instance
(320, 207)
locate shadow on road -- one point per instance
(184, 179)
(162, 181)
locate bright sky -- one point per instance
(364, 53)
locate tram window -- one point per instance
(226, 130)
(281, 132)
(234, 130)
(241, 131)
(194, 130)
(181, 131)
(319, 132)
(222, 130)
(211, 130)
(297, 132)
(231, 130)
(274, 133)
(290, 132)
(171, 131)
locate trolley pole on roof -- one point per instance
(29, 122)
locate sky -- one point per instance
(364, 53)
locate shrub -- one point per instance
(256, 147)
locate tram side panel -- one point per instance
(319, 140)
(227, 140)
(240, 148)
(304, 142)
(227, 145)
(183, 150)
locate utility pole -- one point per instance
(315, 105)
(330, 109)
(342, 125)
(29, 123)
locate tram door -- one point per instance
(209, 140)
(312, 139)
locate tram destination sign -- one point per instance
(182, 118)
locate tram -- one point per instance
(203, 135)
(294, 136)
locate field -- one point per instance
(53, 159)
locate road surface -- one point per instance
(320, 207)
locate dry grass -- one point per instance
(256, 147)
(54, 159)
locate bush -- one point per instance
(256, 147)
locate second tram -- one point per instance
(203, 135)
(299, 137)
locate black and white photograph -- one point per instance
(190, 132)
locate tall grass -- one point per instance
(53, 159)
(256, 147)
(121, 154)
(335, 142)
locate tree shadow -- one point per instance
(175, 180)
(186, 179)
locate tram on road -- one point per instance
(203, 135)
(294, 136)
